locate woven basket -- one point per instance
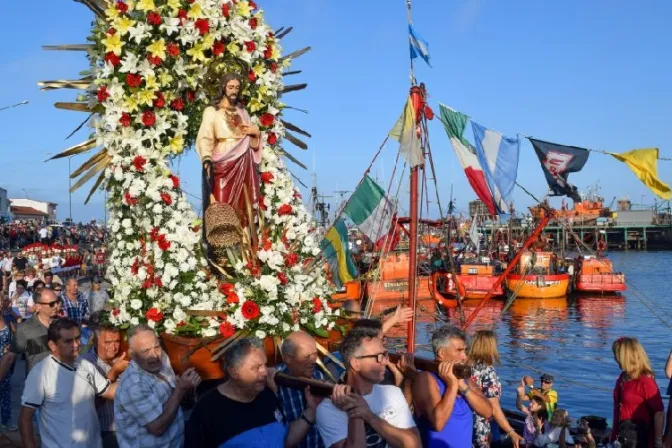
(222, 226)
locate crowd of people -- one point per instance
(98, 395)
(18, 234)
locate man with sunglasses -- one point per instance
(545, 392)
(31, 335)
(375, 415)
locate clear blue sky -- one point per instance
(593, 74)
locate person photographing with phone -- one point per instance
(444, 402)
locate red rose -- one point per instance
(226, 288)
(165, 197)
(102, 94)
(177, 104)
(266, 120)
(159, 101)
(226, 329)
(218, 48)
(291, 260)
(135, 267)
(148, 118)
(272, 139)
(253, 269)
(163, 243)
(317, 305)
(115, 312)
(283, 278)
(176, 181)
(202, 25)
(297, 195)
(225, 10)
(250, 310)
(173, 49)
(158, 282)
(181, 324)
(111, 31)
(112, 59)
(191, 96)
(133, 80)
(121, 7)
(125, 119)
(285, 209)
(267, 244)
(254, 23)
(154, 315)
(232, 298)
(250, 46)
(268, 52)
(139, 163)
(146, 284)
(267, 177)
(154, 60)
(153, 18)
(130, 200)
(154, 234)
(251, 76)
(182, 15)
(252, 4)
(274, 67)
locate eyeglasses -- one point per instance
(51, 304)
(379, 357)
(547, 381)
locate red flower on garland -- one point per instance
(250, 46)
(154, 234)
(250, 310)
(154, 60)
(226, 288)
(252, 4)
(121, 7)
(153, 18)
(272, 139)
(176, 181)
(159, 101)
(135, 267)
(267, 177)
(262, 205)
(115, 312)
(130, 200)
(146, 284)
(181, 324)
(125, 119)
(317, 305)
(253, 269)
(297, 195)
(112, 59)
(202, 25)
(173, 49)
(139, 163)
(133, 80)
(254, 23)
(165, 197)
(274, 67)
(226, 9)
(283, 278)
(158, 282)
(285, 209)
(102, 94)
(163, 243)
(191, 96)
(111, 31)
(226, 329)
(266, 120)
(218, 48)
(154, 315)
(291, 260)
(182, 15)
(267, 244)
(177, 104)
(148, 118)
(232, 298)
(251, 76)
(268, 52)
(196, 229)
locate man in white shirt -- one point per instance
(43, 235)
(64, 391)
(374, 416)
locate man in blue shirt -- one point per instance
(74, 305)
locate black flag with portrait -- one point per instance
(558, 161)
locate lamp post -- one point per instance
(14, 105)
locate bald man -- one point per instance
(299, 353)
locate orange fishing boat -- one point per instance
(536, 277)
(474, 282)
(392, 281)
(597, 275)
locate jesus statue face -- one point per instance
(232, 91)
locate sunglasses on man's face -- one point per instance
(51, 304)
(547, 381)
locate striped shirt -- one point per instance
(294, 403)
(77, 310)
(139, 401)
(104, 408)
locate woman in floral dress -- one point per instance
(484, 355)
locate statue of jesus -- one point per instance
(229, 146)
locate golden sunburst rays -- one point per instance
(80, 84)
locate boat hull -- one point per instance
(397, 289)
(472, 287)
(353, 291)
(538, 286)
(600, 283)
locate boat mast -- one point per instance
(416, 97)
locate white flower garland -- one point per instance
(148, 66)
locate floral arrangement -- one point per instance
(149, 63)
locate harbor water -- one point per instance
(571, 338)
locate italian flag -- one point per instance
(370, 210)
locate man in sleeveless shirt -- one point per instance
(444, 403)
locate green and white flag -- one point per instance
(370, 210)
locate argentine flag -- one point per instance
(419, 46)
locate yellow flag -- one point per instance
(644, 163)
(404, 132)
